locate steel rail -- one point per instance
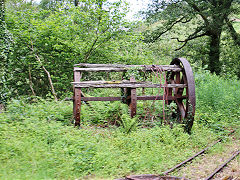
(223, 165)
(197, 154)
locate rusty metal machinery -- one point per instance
(179, 87)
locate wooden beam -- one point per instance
(106, 84)
(100, 69)
(122, 68)
(139, 98)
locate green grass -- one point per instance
(36, 145)
(38, 140)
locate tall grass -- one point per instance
(218, 100)
(35, 144)
(38, 140)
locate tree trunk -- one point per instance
(76, 2)
(214, 54)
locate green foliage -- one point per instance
(136, 73)
(103, 113)
(200, 18)
(6, 42)
(129, 124)
(217, 100)
(94, 32)
(34, 144)
(37, 143)
(230, 57)
(37, 137)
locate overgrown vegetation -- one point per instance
(218, 100)
(38, 140)
(36, 145)
(40, 43)
(206, 18)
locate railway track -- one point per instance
(165, 175)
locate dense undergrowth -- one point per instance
(38, 140)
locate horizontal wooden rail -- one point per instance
(119, 65)
(100, 69)
(138, 98)
(123, 84)
(122, 68)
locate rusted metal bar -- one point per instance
(197, 154)
(151, 177)
(186, 108)
(111, 82)
(77, 98)
(222, 166)
(126, 85)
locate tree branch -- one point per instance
(30, 81)
(233, 32)
(169, 28)
(197, 9)
(48, 74)
(191, 37)
(89, 52)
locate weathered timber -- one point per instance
(100, 69)
(125, 85)
(143, 98)
(173, 98)
(172, 68)
(133, 103)
(77, 105)
(120, 65)
(178, 86)
(1, 108)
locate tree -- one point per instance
(5, 49)
(48, 42)
(208, 17)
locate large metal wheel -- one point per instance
(184, 97)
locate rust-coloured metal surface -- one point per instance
(223, 165)
(178, 87)
(189, 79)
(187, 108)
(195, 155)
(158, 177)
(151, 177)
